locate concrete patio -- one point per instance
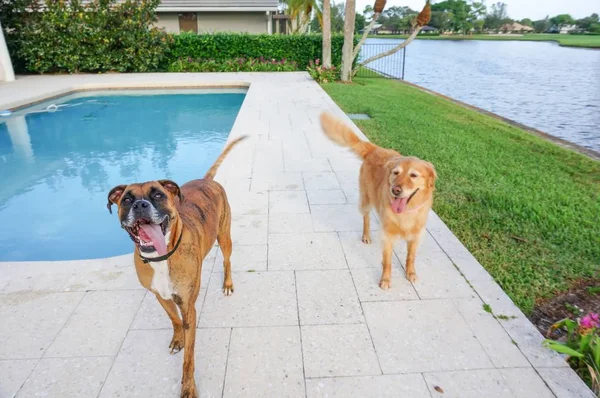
(307, 317)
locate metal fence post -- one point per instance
(403, 61)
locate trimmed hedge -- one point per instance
(300, 49)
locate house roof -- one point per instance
(218, 5)
(516, 26)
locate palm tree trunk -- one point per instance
(348, 48)
(326, 33)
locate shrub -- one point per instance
(321, 73)
(225, 46)
(582, 347)
(99, 36)
(233, 65)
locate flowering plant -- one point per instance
(321, 73)
(582, 347)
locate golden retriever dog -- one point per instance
(399, 188)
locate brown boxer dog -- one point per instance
(173, 229)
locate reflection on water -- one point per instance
(57, 167)
(542, 85)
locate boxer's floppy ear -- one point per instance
(172, 187)
(114, 195)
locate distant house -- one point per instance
(208, 16)
(428, 29)
(567, 29)
(516, 27)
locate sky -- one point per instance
(517, 9)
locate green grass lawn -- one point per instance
(590, 41)
(527, 209)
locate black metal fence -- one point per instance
(390, 67)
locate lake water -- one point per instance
(540, 84)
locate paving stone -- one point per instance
(493, 295)
(248, 203)
(486, 383)
(290, 223)
(438, 277)
(338, 350)
(317, 181)
(260, 299)
(145, 368)
(277, 181)
(340, 218)
(529, 340)
(288, 202)
(366, 281)
(352, 193)
(525, 383)
(345, 163)
(31, 321)
(327, 297)
(249, 230)
(254, 371)
(98, 325)
(326, 197)
(152, 315)
(348, 177)
(296, 163)
(86, 377)
(244, 258)
(565, 383)
(303, 251)
(14, 373)
(434, 337)
(387, 386)
(493, 338)
(362, 255)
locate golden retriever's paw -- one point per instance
(366, 239)
(176, 343)
(412, 277)
(228, 288)
(385, 284)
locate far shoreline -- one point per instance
(563, 40)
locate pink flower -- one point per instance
(590, 321)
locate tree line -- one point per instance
(458, 16)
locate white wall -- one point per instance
(169, 21)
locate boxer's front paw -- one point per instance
(228, 288)
(176, 342)
(188, 390)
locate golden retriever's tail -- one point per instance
(210, 174)
(340, 133)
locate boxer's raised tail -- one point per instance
(340, 133)
(210, 174)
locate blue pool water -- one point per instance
(56, 168)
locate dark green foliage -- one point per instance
(68, 36)
(221, 47)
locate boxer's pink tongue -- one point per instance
(399, 204)
(154, 233)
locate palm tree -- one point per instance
(300, 11)
(326, 28)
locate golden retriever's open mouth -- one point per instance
(399, 203)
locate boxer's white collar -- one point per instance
(147, 260)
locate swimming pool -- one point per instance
(59, 159)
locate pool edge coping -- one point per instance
(90, 87)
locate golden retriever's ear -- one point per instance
(114, 196)
(432, 174)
